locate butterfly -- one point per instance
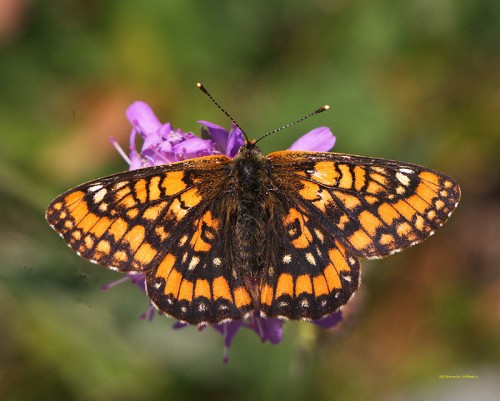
(281, 235)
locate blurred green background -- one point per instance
(417, 81)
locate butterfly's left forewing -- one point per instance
(375, 207)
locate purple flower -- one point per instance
(329, 321)
(318, 140)
(228, 142)
(162, 144)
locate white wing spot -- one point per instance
(310, 258)
(95, 188)
(183, 240)
(402, 178)
(119, 185)
(304, 303)
(406, 170)
(319, 234)
(217, 262)
(318, 251)
(202, 307)
(287, 259)
(194, 262)
(99, 195)
(347, 278)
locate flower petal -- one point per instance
(235, 141)
(273, 330)
(218, 134)
(318, 140)
(329, 321)
(142, 117)
(165, 147)
(193, 147)
(228, 331)
(151, 141)
(136, 161)
(173, 136)
(165, 130)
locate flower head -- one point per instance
(162, 144)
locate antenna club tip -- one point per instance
(322, 109)
(202, 88)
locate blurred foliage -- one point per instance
(415, 81)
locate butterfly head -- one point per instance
(248, 145)
(249, 149)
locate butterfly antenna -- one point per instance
(320, 110)
(204, 90)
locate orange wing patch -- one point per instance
(295, 224)
(204, 235)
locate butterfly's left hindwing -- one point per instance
(312, 276)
